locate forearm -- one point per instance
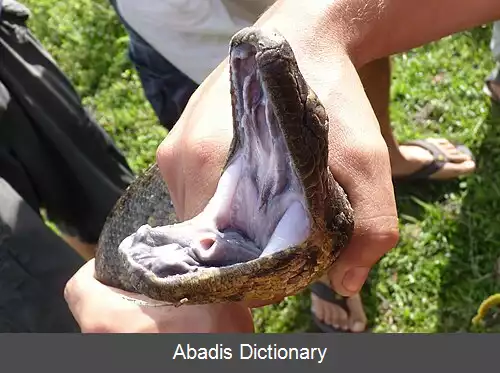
(406, 24)
(371, 29)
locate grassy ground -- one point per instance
(444, 264)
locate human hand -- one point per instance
(193, 155)
(190, 158)
(101, 309)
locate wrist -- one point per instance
(325, 40)
(323, 31)
(319, 40)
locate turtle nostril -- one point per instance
(207, 243)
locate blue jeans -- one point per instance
(166, 87)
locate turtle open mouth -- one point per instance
(259, 207)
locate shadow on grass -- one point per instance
(294, 315)
(406, 193)
(472, 237)
(473, 244)
(470, 275)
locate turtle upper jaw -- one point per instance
(259, 206)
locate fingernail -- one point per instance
(355, 278)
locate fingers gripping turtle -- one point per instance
(278, 219)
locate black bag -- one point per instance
(11, 10)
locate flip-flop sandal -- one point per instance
(494, 77)
(325, 293)
(438, 162)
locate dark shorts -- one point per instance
(55, 157)
(166, 87)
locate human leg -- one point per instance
(492, 86)
(167, 89)
(413, 157)
(76, 170)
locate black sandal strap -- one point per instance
(327, 294)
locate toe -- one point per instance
(323, 312)
(341, 316)
(357, 316)
(442, 143)
(456, 156)
(415, 157)
(333, 317)
(452, 170)
(453, 153)
(316, 308)
(328, 313)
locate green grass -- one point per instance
(444, 264)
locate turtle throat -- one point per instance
(259, 206)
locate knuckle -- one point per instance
(201, 153)
(370, 159)
(389, 237)
(384, 235)
(177, 154)
(166, 155)
(68, 291)
(186, 164)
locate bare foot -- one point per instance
(413, 157)
(352, 319)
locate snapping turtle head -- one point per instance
(278, 218)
